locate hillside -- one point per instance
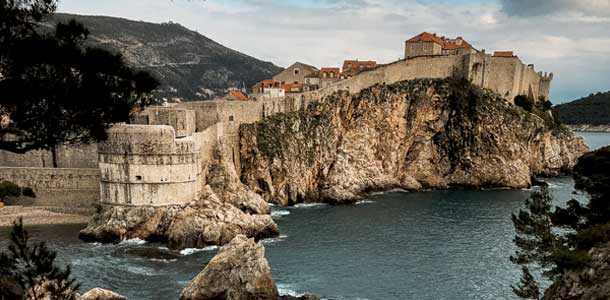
(593, 110)
(188, 64)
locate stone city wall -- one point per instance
(507, 76)
(68, 156)
(57, 186)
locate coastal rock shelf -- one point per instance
(413, 134)
(206, 222)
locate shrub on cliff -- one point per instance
(9, 189)
(559, 239)
(28, 271)
(525, 102)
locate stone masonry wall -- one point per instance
(68, 156)
(147, 165)
(57, 186)
(507, 76)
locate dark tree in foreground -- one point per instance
(28, 271)
(528, 287)
(559, 239)
(54, 89)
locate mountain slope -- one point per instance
(592, 110)
(188, 64)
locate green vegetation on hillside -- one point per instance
(186, 63)
(593, 110)
(559, 239)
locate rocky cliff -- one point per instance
(413, 134)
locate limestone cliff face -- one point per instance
(413, 134)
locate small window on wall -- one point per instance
(297, 71)
(231, 119)
(139, 178)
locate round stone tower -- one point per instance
(147, 165)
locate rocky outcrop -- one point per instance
(238, 272)
(208, 221)
(223, 179)
(101, 294)
(590, 283)
(413, 134)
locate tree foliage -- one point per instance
(28, 271)
(528, 287)
(593, 109)
(55, 89)
(558, 239)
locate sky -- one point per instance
(570, 38)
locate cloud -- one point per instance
(529, 8)
(563, 38)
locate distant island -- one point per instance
(591, 113)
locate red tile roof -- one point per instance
(458, 43)
(238, 95)
(426, 37)
(292, 87)
(504, 54)
(267, 83)
(446, 43)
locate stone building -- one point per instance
(352, 68)
(329, 76)
(296, 74)
(430, 44)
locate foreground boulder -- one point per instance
(206, 222)
(101, 294)
(413, 134)
(238, 272)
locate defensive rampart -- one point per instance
(147, 165)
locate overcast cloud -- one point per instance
(569, 38)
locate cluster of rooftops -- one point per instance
(301, 77)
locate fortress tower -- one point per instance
(545, 85)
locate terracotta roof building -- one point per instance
(236, 95)
(425, 44)
(354, 67)
(259, 87)
(292, 87)
(329, 73)
(295, 73)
